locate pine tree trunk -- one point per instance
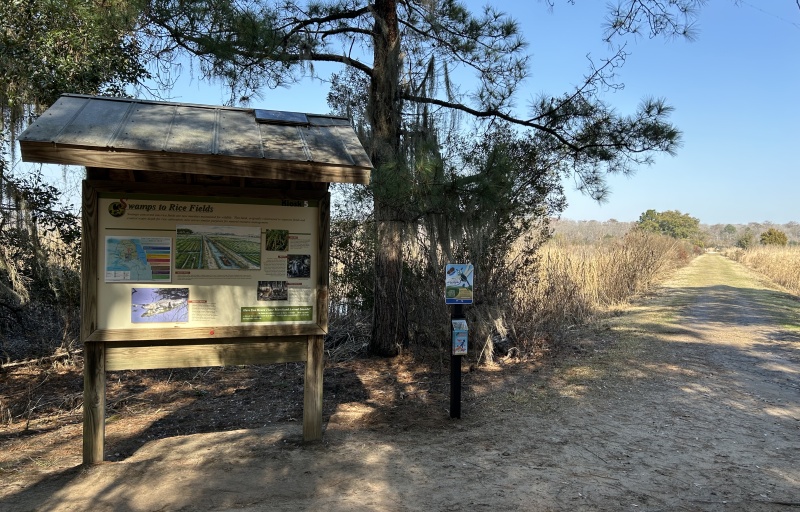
(389, 318)
(389, 322)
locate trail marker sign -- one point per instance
(458, 283)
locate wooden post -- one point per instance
(312, 395)
(94, 402)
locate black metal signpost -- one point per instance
(458, 291)
(457, 313)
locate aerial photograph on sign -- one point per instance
(154, 305)
(217, 247)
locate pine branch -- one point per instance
(331, 57)
(491, 113)
(298, 26)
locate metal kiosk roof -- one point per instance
(137, 135)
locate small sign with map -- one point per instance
(138, 259)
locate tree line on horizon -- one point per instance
(681, 225)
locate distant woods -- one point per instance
(708, 235)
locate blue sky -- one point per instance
(735, 90)
(736, 94)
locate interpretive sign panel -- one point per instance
(177, 261)
(458, 283)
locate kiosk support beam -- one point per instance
(312, 393)
(94, 402)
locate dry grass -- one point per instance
(39, 295)
(524, 304)
(780, 264)
(576, 281)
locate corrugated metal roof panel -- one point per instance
(238, 135)
(345, 134)
(90, 125)
(145, 128)
(124, 133)
(325, 146)
(56, 119)
(193, 131)
(283, 142)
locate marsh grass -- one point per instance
(779, 264)
(575, 282)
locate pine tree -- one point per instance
(407, 50)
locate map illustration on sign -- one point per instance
(138, 259)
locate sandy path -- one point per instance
(695, 406)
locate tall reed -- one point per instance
(576, 281)
(779, 263)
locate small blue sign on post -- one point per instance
(460, 337)
(458, 283)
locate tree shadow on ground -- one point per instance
(263, 404)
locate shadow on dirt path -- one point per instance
(688, 401)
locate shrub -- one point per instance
(774, 236)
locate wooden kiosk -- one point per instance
(205, 236)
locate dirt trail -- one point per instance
(690, 400)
